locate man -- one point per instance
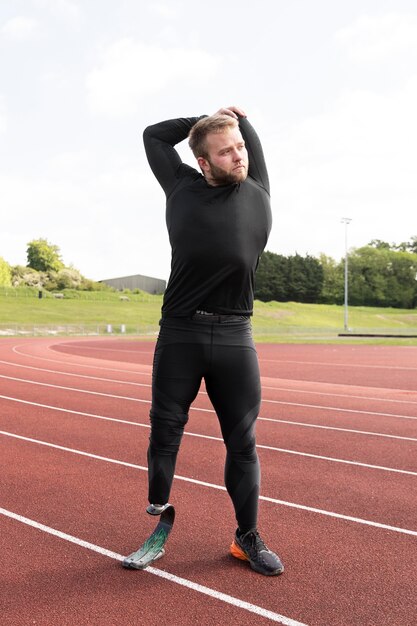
(218, 223)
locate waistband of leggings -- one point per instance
(208, 317)
(219, 318)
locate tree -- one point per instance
(43, 256)
(283, 278)
(381, 277)
(412, 245)
(67, 278)
(5, 273)
(332, 291)
(380, 245)
(270, 279)
(401, 274)
(404, 246)
(305, 279)
(27, 277)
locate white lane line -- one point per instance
(333, 394)
(189, 584)
(87, 391)
(261, 359)
(341, 410)
(149, 374)
(108, 395)
(73, 412)
(212, 438)
(87, 376)
(196, 409)
(268, 419)
(194, 481)
(345, 364)
(78, 364)
(337, 428)
(334, 460)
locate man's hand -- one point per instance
(232, 111)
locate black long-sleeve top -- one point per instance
(217, 233)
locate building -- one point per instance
(137, 281)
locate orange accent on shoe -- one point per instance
(237, 552)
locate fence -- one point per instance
(76, 330)
(277, 334)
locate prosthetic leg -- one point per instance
(154, 547)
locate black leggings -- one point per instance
(220, 350)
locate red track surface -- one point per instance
(338, 446)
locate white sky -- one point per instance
(330, 86)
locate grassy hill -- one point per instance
(22, 312)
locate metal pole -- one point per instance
(346, 221)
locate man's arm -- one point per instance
(257, 164)
(159, 141)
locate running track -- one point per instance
(337, 440)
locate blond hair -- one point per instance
(213, 124)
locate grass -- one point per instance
(297, 322)
(272, 321)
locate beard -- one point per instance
(224, 177)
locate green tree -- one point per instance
(332, 291)
(401, 275)
(283, 278)
(68, 278)
(412, 245)
(271, 278)
(5, 273)
(382, 277)
(380, 245)
(43, 256)
(366, 276)
(305, 279)
(27, 277)
(404, 246)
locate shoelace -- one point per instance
(253, 542)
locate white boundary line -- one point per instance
(88, 376)
(93, 366)
(282, 402)
(266, 360)
(212, 438)
(87, 391)
(149, 374)
(194, 481)
(217, 595)
(337, 428)
(333, 394)
(341, 410)
(355, 365)
(267, 419)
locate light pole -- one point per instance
(346, 221)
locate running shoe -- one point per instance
(250, 547)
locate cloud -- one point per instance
(379, 38)
(357, 159)
(64, 9)
(20, 28)
(95, 207)
(130, 71)
(165, 10)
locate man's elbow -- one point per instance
(147, 133)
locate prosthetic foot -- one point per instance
(154, 547)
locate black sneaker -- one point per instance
(250, 547)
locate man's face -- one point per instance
(227, 160)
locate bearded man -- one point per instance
(218, 222)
